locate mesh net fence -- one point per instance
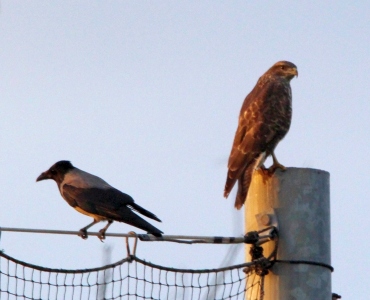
(129, 278)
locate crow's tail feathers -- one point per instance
(144, 212)
(134, 220)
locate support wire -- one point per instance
(191, 239)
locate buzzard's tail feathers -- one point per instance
(243, 186)
(230, 182)
(144, 212)
(239, 202)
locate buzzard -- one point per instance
(264, 120)
(92, 196)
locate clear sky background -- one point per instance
(146, 95)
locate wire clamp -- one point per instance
(129, 255)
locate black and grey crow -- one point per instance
(92, 196)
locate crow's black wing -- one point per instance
(109, 203)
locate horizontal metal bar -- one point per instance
(144, 237)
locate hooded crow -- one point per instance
(92, 196)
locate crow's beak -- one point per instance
(43, 176)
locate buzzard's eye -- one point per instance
(282, 67)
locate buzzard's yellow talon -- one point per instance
(275, 165)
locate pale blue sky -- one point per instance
(146, 95)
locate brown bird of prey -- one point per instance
(92, 196)
(264, 120)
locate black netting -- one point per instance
(130, 278)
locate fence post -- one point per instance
(301, 201)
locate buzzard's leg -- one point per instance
(265, 173)
(260, 164)
(275, 164)
(102, 231)
(83, 231)
(264, 170)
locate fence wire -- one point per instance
(129, 278)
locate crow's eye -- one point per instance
(53, 171)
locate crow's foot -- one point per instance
(101, 235)
(83, 233)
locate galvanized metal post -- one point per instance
(300, 199)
